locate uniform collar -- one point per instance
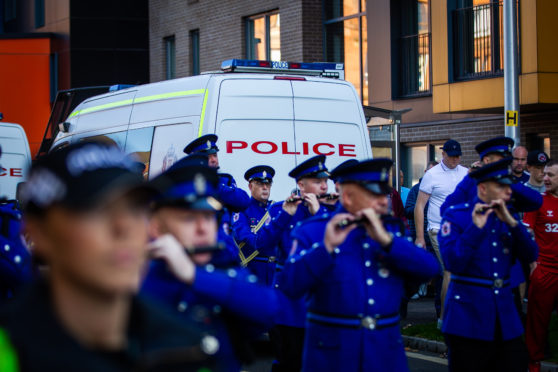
(258, 203)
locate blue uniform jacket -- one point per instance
(265, 240)
(228, 193)
(353, 296)
(524, 199)
(480, 261)
(295, 314)
(16, 268)
(234, 200)
(216, 301)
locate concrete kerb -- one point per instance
(438, 347)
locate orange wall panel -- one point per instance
(25, 85)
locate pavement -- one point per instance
(422, 311)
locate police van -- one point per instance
(14, 160)
(273, 113)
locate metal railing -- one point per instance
(478, 41)
(415, 71)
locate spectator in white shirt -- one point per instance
(436, 185)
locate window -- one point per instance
(170, 54)
(195, 52)
(478, 39)
(411, 44)
(263, 37)
(39, 13)
(138, 144)
(415, 159)
(346, 40)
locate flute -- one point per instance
(359, 221)
(482, 210)
(205, 249)
(329, 196)
(294, 199)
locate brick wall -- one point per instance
(222, 33)
(469, 134)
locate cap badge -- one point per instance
(264, 174)
(200, 184)
(320, 166)
(542, 158)
(383, 175)
(208, 144)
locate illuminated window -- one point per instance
(347, 42)
(478, 39)
(411, 48)
(263, 37)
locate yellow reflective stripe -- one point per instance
(106, 106)
(202, 116)
(181, 93)
(154, 97)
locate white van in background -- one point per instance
(279, 116)
(15, 159)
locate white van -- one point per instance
(15, 159)
(280, 116)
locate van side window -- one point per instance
(168, 142)
(117, 139)
(138, 144)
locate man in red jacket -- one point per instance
(543, 291)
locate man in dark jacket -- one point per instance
(84, 211)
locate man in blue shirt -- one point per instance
(480, 240)
(287, 337)
(227, 303)
(257, 229)
(233, 198)
(351, 265)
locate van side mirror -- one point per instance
(64, 127)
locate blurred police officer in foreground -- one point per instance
(287, 337)
(16, 268)
(353, 274)
(85, 215)
(257, 229)
(523, 199)
(232, 198)
(480, 241)
(228, 304)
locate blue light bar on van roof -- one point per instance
(115, 87)
(325, 69)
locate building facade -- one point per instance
(443, 59)
(70, 44)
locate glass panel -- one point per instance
(418, 159)
(274, 37)
(381, 152)
(438, 152)
(423, 16)
(195, 52)
(117, 139)
(138, 145)
(341, 8)
(259, 39)
(352, 53)
(364, 62)
(170, 55)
